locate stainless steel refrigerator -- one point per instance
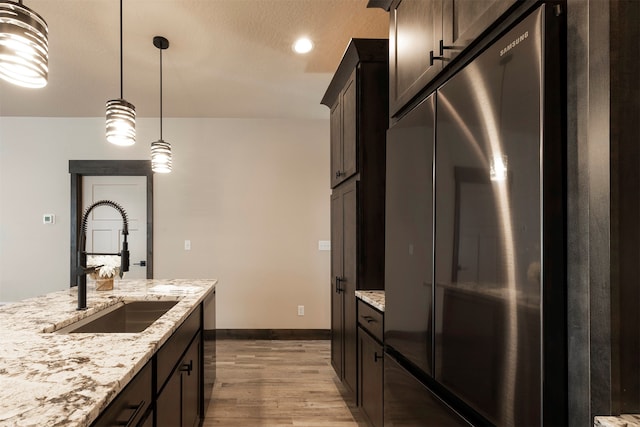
(475, 204)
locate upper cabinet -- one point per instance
(414, 36)
(425, 35)
(358, 99)
(465, 20)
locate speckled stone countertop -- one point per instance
(373, 298)
(56, 379)
(621, 421)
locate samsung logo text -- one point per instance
(514, 43)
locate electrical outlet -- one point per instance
(301, 310)
(187, 245)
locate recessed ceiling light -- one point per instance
(302, 45)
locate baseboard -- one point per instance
(267, 334)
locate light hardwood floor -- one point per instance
(278, 383)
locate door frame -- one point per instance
(80, 168)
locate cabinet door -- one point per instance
(415, 32)
(168, 403)
(335, 123)
(336, 275)
(349, 128)
(349, 283)
(371, 377)
(179, 402)
(463, 21)
(344, 133)
(190, 373)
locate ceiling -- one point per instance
(227, 58)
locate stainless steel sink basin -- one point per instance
(127, 317)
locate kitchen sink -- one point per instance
(124, 317)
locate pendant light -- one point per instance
(161, 149)
(121, 115)
(24, 46)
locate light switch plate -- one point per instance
(324, 245)
(187, 245)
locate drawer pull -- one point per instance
(369, 319)
(135, 413)
(376, 357)
(187, 367)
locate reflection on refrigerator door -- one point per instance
(408, 403)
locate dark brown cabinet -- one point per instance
(134, 404)
(179, 395)
(344, 211)
(425, 35)
(414, 37)
(172, 383)
(466, 20)
(358, 99)
(370, 363)
(178, 404)
(343, 134)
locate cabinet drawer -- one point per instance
(132, 404)
(370, 319)
(171, 352)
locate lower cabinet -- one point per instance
(168, 391)
(134, 404)
(371, 378)
(178, 404)
(370, 363)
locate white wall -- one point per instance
(251, 195)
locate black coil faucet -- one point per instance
(82, 270)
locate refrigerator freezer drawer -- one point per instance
(407, 402)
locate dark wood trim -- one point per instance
(80, 168)
(358, 50)
(624, 68)
(267, 334)
(382, 4)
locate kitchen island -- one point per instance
(49, 378)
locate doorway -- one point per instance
(110, 172)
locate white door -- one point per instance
(104, 225)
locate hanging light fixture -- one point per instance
(24, 46)
(161, 149)
(121, 115)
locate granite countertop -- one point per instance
(621, 421)
(55, 379)
(373, 298)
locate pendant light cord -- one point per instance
(121, 60)
(160, 94)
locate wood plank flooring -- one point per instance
(278, 383)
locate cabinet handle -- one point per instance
(376, 357)
(187, 367)
(338, 173)
(369, 319)
(443, 47)
(338, 287)
(433, 58)
(135, 413)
